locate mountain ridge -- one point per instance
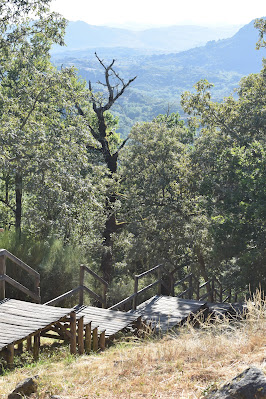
(163, 77)
(80, 35)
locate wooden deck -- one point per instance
(166, 312)
(20, 320)
(226, 309)
(110, 321)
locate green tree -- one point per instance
(109, 147)
(229, 174)
(157, 202)
(46, 168)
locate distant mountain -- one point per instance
(161, 78)
(80, 35)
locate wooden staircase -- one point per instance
(86, 327)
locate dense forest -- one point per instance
(185, 191)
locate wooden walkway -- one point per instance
(226, 309)
(166, 312)
(110, 321)
(20, 320)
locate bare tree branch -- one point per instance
(7, 204)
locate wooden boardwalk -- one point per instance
(110, 321)
(166, 312)
(226, 309)
(20, 320)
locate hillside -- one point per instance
(186, 364)
(161, 78)
(80, 35)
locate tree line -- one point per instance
(183, 193)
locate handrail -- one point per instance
(88, 270)
(63, 296)
(183, 279)
(7, 279)
(149, 271)
(100, 298)
(20, 287)
(157, 282)
(123, 302)
(19, 262)
(81, 288)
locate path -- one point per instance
(166, 312)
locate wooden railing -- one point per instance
(191, 287)
(159, 269)
(192, 290)
(4, 278)
(83, 288)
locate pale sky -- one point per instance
(161, 13)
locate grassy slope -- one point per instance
(182, 365)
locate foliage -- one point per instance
(57, 262)
(229, 173)
(156, 197)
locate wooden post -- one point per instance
(102, 341)
(172, 285)
(190, 286)
(29, 343)
(2, 274)
(73, 332)
(104, 304)
(10, 355)
(37, 289)
(135, 299)
(88, 338)
(160, 281)
(80, 335)
(197, 289)
(81, 284)
(36, 346)
(211, 293)
(95, 339)
(230, 295)
(221, 293)
(20, 347)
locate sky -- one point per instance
(148, 13)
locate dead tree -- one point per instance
(114, 91)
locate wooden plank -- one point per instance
(95, 339)
(24, 322)
(102, 340)
(36, 346)
(88, 338)
(80, 336)
(33, 307)
(29, 312)
(166, 312)
(10, 355)
(19, 320)
(107, 312)
(73, 339)
(107, 320)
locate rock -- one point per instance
(55, 397)
(24, 388)
(251, 384)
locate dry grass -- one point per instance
(183, 365)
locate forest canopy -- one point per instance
(186, 193)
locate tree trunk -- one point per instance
(18, 210)
(111, 160)
(204, 274)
